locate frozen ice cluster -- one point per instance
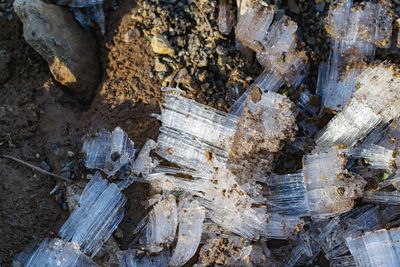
(222, 186)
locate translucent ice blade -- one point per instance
(143, 163)
(376, 156)
(227, 203)
(288, 194)
(57, 252)
(346, 128)
(191, 219)
(129, 258)
(162, 224)
(185, 150)
(253, 26)
(269, 80)
(329, 192)
(108, 151)
(225, 17)
(382, 197)
(282, 226)
(379, 248)
(99, 212)
(343, 261)
(376, 100)
(204, 123)
(336, 92)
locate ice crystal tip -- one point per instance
(54, 252)
(375, 100)
(143, 163)
(377, 157)
(347, 25)
(133, 258)
(253, 25)
(162, 223)
(378, 248)
(191, 217)
(107, 151)
(382, 197)
(228, 205)
(329, 190)
(225, 17)
(98, 214)
(87, 13)
(355, 34)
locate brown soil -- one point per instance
(40, 121)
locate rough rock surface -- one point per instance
(70, 52)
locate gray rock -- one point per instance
(4, 66)
(70, 52)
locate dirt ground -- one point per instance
(40, 121)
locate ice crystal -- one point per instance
(54, 252)
(379, 248)
(98, 214)
(107, 151)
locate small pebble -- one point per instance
(161, 45)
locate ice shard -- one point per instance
(253, 25)
(375, 101)
(161, 224)
(98, 214)
(134, 258)
(283, 62)
(202, 122)
(330, 189)
(330, 235)
(378, 248)
(323, 189)
(287, 194)
(282, 226)
(382, 197)
(191, 217)
(225, 17)
(55, 252)
(143, 163)
(226, 202)
(186, 151)
(107, 151)
(377, 157)
(355, 33)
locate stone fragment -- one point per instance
(161, 45)
(71, 53)
(160, 66)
